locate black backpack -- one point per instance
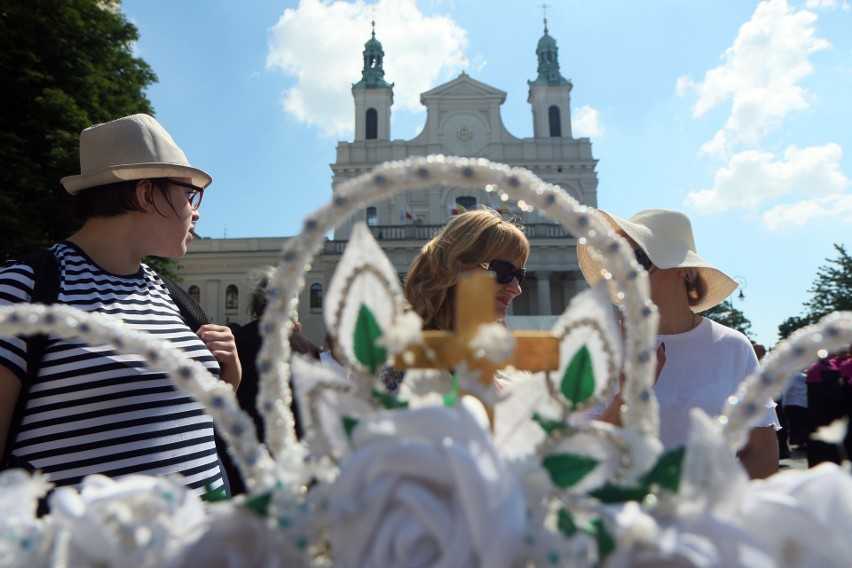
(46, 291)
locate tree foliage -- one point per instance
(830, 292)
(728, 315)
(66, 64)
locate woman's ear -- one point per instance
(145, 195)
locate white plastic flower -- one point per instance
(493, 341)
(135, 521)
(405, 330)
(426, 487)
(804, 517)
(24, 539)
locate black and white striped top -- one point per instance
(94, 411)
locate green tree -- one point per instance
(66, 64)
(726, 314)
(830, 292)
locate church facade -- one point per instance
(462, 119)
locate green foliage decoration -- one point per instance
(368, 352)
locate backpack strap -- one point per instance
(45, 291)
(193, 314)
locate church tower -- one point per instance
(550, 93)
(373, 95)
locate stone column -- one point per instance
(543, 289)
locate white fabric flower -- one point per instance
(493, 341)
(804, 517)
(426, 487)
(239, 538)
(24, 539)
(135, 521)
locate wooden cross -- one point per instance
(475, 306)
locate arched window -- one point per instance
(467, 203)
(232, 297)
(316, 295)
(555, 122)
(372, 124)
(372, 217)
(194, 293)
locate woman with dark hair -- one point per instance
(85, 409)
(703, 362)
(474, 240)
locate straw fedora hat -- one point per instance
(666, 237)
(132, 147)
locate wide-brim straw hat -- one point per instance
(666, 237)
(132, 147)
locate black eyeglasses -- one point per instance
(643, 259)
(194, 195)
(505, 271)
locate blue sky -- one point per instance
(737, 112)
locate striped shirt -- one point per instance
(91, 410)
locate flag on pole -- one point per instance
(406, 214)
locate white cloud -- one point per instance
(759, 75)
(753, 177)
(586, 123)
(828, 5)
(320, 44)
(835, 209)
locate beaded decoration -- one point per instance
(417, 476)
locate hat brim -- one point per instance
(75, 184)
(719, 284)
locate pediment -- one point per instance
(463, 86)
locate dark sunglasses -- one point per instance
(505, 271)
(194, 195)
(643, 259)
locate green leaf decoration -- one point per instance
(389, 401)
(349, 424)
(567, 469)
(565, 523)
(213, 495)
(366, 332)
(549, 426)
(259, 504)
(578, 382)
(452, 397)
(606, 544)
(619, 494)
(666, 472)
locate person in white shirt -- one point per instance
(703, 361)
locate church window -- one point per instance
(372, 217)
(316, 295)
(232, 297)
(195, 293)
(555, 122)
(372, 124)
(467, 202)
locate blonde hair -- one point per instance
(465, 242)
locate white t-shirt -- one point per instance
(703, 367)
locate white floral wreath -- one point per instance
(419, 478)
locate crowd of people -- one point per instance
(71, 409)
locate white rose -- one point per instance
(426, 487)
(134, 521)
(804, 517)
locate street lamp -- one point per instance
(741, 284)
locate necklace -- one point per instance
(696, 320)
